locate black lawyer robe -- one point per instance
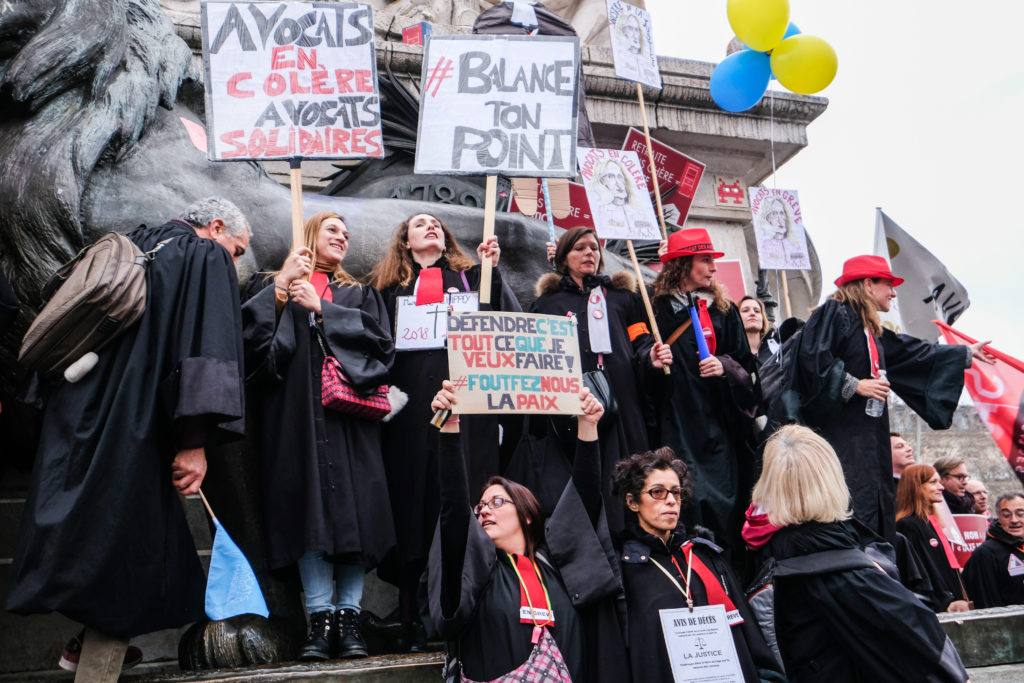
(988, 573)
(103, 538)
(708, 421)
(927, 376)
(856, 625)
(410, 442)
(474, 594)
(627, 368)
(942, 586)
(649, 590)
(323, 473)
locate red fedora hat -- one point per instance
(860, 267)
(691, 242)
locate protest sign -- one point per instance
(729, 274)
(426, 326)
(633, 44)
(973, 529)
(779, 227)
(290, 79)
(578, 215)
(675, 170)
(700, 645)
(617, 191)
(514, 363)
(499, 104)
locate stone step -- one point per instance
(409, 668)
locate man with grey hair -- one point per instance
(995, 573)
(953, 473)
(103, 537)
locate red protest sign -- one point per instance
(579, 214)
(973, 528)
(675, 170)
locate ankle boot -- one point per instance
(322, 637)
(350, 638)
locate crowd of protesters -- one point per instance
(671, 491)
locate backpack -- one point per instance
(92, 299)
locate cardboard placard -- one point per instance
(514, 363)
(633, 43)
(620, 202)
(779, 227)
(496, 104)
(674, 168)
(973, 529)
(578, 216)
(426, 326)
(290, 79)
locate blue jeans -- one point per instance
(317, 575)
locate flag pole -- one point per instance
(647, 300)
(207, 504)
(785, 293)
(490, 202)
(654, 170)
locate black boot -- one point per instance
(322, 637)
(350, 639)
(417, 637)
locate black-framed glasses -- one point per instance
(493, 503)
(959, 477)
(661, 493)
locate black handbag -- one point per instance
(597, 382)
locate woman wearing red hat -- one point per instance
(708, 406)
(846, 358)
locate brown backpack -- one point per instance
(93, 299)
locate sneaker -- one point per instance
(73, 652)
(350, 638)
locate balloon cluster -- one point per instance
(774, 47)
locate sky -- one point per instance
(923, 121)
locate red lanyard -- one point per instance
(322, 284)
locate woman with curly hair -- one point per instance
(424, 262)
(707, 406)
(663, 568)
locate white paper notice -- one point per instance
(700, 645)
(426, 326)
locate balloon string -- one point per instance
(771, 131)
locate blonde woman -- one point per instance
(838, 617)
(846, 358)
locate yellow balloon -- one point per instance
(804, 64)
(760, 24)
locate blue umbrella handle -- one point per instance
(702, 343)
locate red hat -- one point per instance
(860, 267)
(690, 243)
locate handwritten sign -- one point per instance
(633, 43)
(619, 200)
(290, 79)
(514, 363)
(700, 645)
(578, 215)
(675, 170)
(499, 104)
(779, 227)
(426, 326)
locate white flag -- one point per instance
(930, 291)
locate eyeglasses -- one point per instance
(959, 477)
(661, 493)
(493, 503)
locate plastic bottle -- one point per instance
(874, 406)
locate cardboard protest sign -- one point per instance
(619, 200)
(578, 215)
(290, 79)
(633, 43)
(973, 529)
(426, 326)
(779, 227)
(514, 363)
(675, 170)
(496, 104)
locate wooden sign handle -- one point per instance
(650, 160)
(647, 300)
(295, 178)
(490, 204)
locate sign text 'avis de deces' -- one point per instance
(499, 104)
(514, 363)
(295, 79)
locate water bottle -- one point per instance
(874, 406)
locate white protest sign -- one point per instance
(499, 104)
(514, 363)
(633, 43)
(617, 191)
(290, 79)
(779, 227)
(426, 326)
(700, 645)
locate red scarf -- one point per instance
(322, 284)
(950, 556)
(706, 326)
(713, 587)
(757, 530)
(876, 365)
(531, 592)
(429, 286)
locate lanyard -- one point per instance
(715, 591)
(686, 579)
(526, 592)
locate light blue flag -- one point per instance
(231, 588)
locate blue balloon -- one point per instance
(791, 30)
(740, 80)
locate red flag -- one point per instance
(998, 394)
